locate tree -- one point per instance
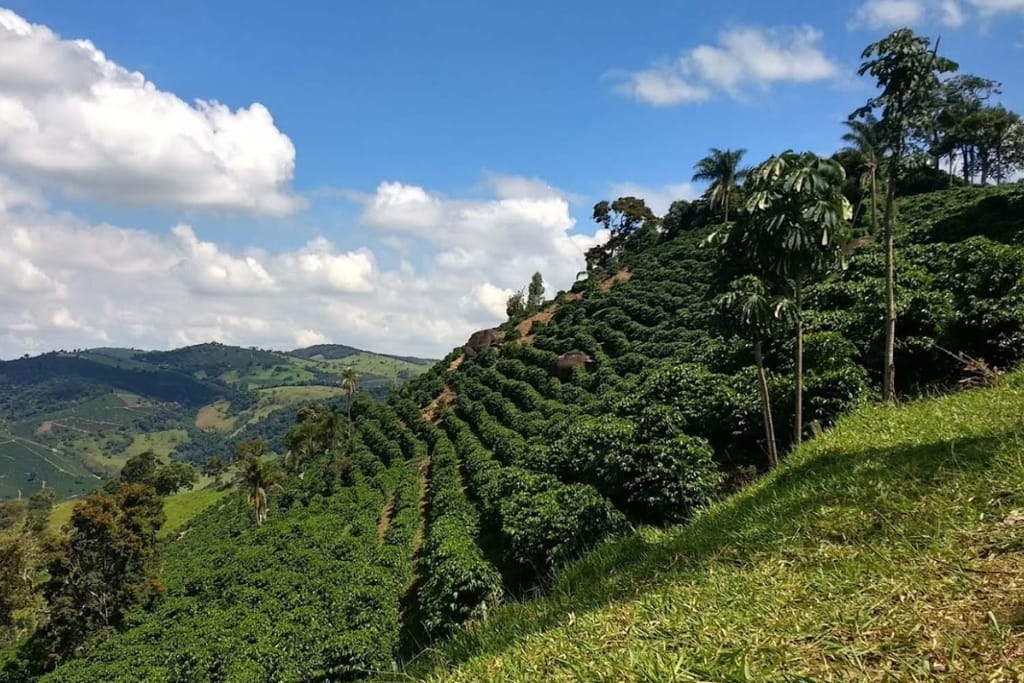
(721, 168)
(793, 225)
(864, 144)
(214, 466)
(16, 570)
(40, 505)
(104, 568)
(140, 468)
(250, 449)
(515, 307)
(993, 136)
(11, 512)
(621, 218)
(256, 478)
(315, 431)
(173, 477)
(907, 71)
(750, 313)
(535, 292)
(958, 98)
(349, 385)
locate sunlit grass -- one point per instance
(183, 506)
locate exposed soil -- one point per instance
(385, 518)
(445, 400)
(624, 275)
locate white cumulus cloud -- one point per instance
(744, 58)
(73, 117)
(68, 283)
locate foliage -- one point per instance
(103, 569)
(903, 507)
(173, 477)
(38, 510)
(459, 583)
(721, 169)
(651, 470)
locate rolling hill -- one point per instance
(73, 418)
(581, 493)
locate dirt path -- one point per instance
(385, 518)
(445, 400)
(424, 503)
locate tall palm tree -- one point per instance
(752, 315)
(864, 143)
(795, 221)
(256, 479)
(349, 385)
(721, 168)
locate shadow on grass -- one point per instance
(883, 487)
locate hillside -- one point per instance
(621, 404)
(890, 548)
(72, 419)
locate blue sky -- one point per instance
(399, 149)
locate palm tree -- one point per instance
(349, 385)
(721, 168)
(864, 144)
(796, 217)
(256, 479)
(752, 315)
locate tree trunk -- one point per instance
(350, 418)
(766, 407)
(889, 367)
(726, 204)
(798, 376)
(874, 201)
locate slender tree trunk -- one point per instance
(727, 204)
(766, 407)
(889, 367)
(350, 417)
(874, 200)
(798, 392)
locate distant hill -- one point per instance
(72, 418)
(340, 352)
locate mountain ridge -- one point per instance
(68, 417)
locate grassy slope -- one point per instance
(183, 506)
(180, 507)
(886, 548)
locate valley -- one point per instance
(73, 419)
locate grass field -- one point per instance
(27, 463)
(216, 417)
(180, 508)
(372, 364)
(184, 505)
(891, 548)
